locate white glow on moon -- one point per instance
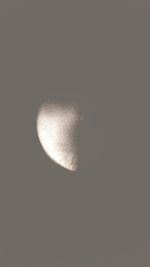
(56, 125)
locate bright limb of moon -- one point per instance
(56, 126)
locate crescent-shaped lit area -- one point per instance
(56, 127)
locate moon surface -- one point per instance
(56, 128)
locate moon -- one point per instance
(56, 128)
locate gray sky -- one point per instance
(95, 53)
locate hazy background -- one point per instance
(96, 52)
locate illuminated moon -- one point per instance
(56, 128)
